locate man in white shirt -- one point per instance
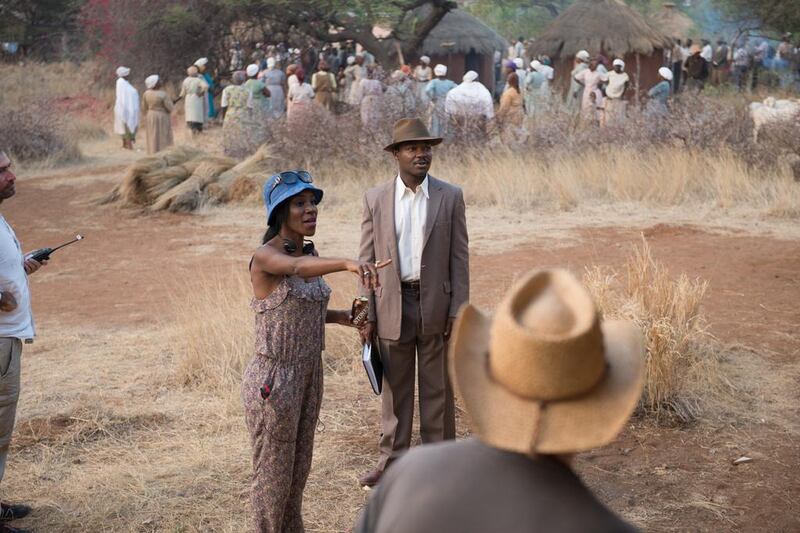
(16, 327)
(708, 51)
(419, 222)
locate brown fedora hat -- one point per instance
(411, 130)
(545, 376)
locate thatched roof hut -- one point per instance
(609, 27)
(464, 43)
(672, 21)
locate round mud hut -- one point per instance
(672, 21)
(607, 27)
(464, 43)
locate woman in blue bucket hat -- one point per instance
(282, 385)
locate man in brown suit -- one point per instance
(541, 381)
(419, 222)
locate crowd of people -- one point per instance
(286, 83)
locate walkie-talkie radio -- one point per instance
(43, 254)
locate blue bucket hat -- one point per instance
(283, 186)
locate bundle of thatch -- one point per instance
(181, 179)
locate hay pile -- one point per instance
(183, 179)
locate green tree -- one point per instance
(42, 27)
(768, 15)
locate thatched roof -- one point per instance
(672, 21)
(609, 26)
(465, 32)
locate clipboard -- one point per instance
(371, 358)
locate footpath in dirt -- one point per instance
(119, 275)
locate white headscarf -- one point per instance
(123, 71)
(619, 62)
(519, 63)
(536, 65)
(583, 55)
(351, 60)
(150, 81)
(665, 73)
(425, 59)
(440, 70)
(270, 62)
(203, 61)
(470, 76)
(252, 70)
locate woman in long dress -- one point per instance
(193, 92)
(510, 114)
(258, 105)
(301, 99)
(236, 137)
(324, 85)
(157, 107)
(591, 79)
(436, 92)
(282, 384)
(371, 93)
(275, 80)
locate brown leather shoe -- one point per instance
(371, 478)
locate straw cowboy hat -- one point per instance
(410, 130)
(545, 376)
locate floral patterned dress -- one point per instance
(290, 337)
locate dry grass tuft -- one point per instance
(682, 366)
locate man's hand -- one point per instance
(366, 332)
(32, 265)
(7, 302)
(448, 329)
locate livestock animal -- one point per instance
(771, 111)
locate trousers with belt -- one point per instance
(414, 355)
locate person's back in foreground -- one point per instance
(540, 382)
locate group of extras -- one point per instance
(542, 380)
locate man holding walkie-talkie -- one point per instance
(16, 327)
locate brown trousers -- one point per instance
(10, 367)
(436, 405)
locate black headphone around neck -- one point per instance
(290, 247)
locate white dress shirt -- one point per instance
(17, 323)
(410, 213)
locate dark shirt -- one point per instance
(467, 486)
(697, 67)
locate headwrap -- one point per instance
(252, 69)
(405, 69)
(583, 55)
(151, 81)
(620, 63)
(203, 61)
(425, 59)
(665, 73)
(440, 70)
(192, 71)
(239, 77)
(470, 76)
(398, 75)
(123, 71)
(519, 63)
(536, 65)
(270, 62)
(351, 60)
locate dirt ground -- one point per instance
(101, 305)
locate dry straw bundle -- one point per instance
(182, 179)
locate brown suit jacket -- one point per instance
(469, 487)
(444, 272)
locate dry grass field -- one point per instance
(130, 417)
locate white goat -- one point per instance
(771, 111)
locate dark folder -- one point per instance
(371, 358)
